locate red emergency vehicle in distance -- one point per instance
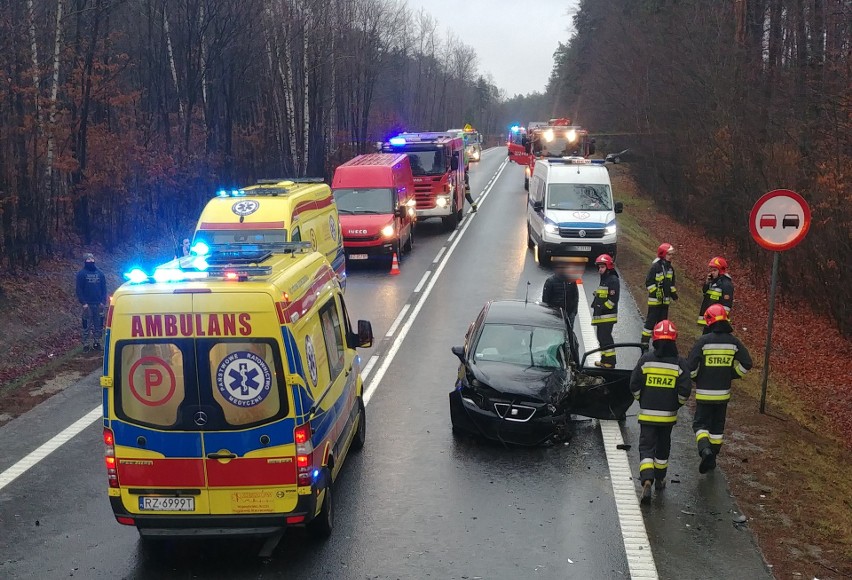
(437, 163)
(375, 199)
(558, 138)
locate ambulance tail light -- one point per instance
(125, 521)
(304, 454)
(109, 457)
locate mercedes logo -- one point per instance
(200, 418)
(582, 233)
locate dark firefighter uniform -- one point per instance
(660, 283)
(605, 314)
(718, 290)
(660, 382)
(717, 358)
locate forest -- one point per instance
(721, 102)
(118, 118)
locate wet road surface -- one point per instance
(416, 503)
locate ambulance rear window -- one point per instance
(245, 381)
(246, 236)
(151, 385)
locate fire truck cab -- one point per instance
(557, 138)
(438, 167)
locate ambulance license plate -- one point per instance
(167, 504)
(358, 256)
(581, 248)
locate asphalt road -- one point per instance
(417, 503)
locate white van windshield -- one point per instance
(594, 196)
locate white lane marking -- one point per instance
(419, 286)
(440, 253)
(452, 235)
(21, 467)
(403, 332)
(640, 559)
(365, 372)
(398, 320)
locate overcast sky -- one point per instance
(514, 39)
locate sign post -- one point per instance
(778, 221)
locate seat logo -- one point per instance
(245, 207)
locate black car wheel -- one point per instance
(361, 433)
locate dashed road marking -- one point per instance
(398, 320)
(365, 372)
(420, 284)
(640, 558)
(22, 466)
(440, 253)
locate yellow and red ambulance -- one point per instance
(231, 392)
(272, 211)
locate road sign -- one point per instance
(779, 220)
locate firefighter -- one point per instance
(660, 382)
(605, 309)
(718, 289)
(717, 358)
(661, 290)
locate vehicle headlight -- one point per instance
(442, 202)
(610, 230)
(388, 231)
(551, 228)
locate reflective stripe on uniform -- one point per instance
(646, 332)
(712, 394)
(681, 399)
(657, 419)
(647, 463)
(609, 304)
(702, 434)
(661, 368)
(602, 318)
(740, 369)
(716, 439)
(720, 348)
(713, 294)
(701, 321)
(661, 463)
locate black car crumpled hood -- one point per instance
(529, 383)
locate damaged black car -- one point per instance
(520, 379)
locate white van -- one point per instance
(570, 209)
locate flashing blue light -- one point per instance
(515, 128)
(222, 193)
(163, 275)
(200, 263)
(237, 192)
(316, 473)
(396, 141)
(136, 276)
(200, 249)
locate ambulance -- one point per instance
(232, 392)
(272, 211)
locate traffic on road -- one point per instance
(411, 411)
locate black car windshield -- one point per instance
(432, 162)
(365, 200)
(523, 345)
(593, 196)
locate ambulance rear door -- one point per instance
(158, 416)
(249, 450)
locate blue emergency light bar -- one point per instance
(515, 128)
(397, 141)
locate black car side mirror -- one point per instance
(459, 352)
(365, 334)
(619, 207)
(538, 206)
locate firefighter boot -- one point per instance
(646, 491)
(660, 484)
(708, 461)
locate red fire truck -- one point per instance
(558, 138)
(437, 163)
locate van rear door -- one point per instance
(249, 451)
(157, 412)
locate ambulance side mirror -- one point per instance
(365, 334)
